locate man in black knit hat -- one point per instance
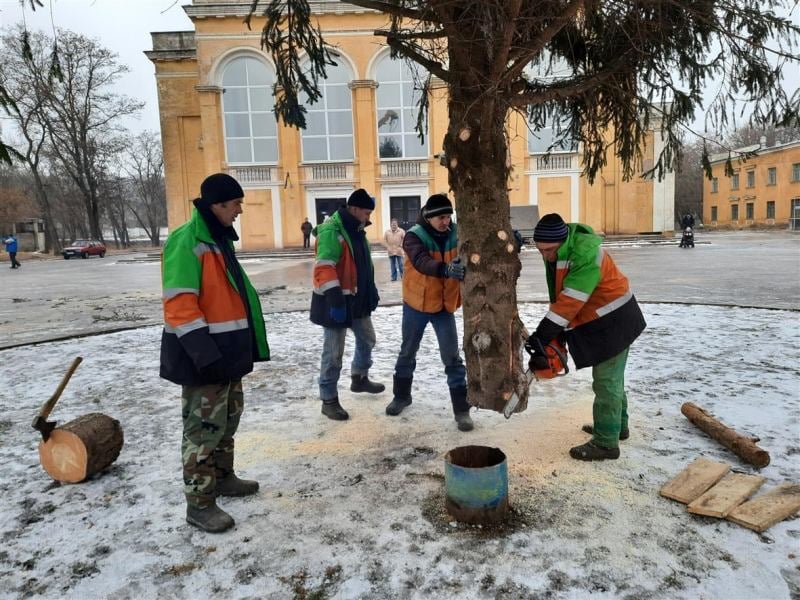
(594, 310)
(344, 297)
(213, 333)
(431, 294)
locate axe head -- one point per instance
(43, 426)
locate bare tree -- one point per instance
(142, 160)
(81, 116)
(114, 195)
(17, 203)
(601, 73)
(7, 102)
(27, 111)
(689, 181)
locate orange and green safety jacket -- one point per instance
(426, 288)
(205, 319)
(591, 302)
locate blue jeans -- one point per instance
(444, 326)
(333, 350)
(396, 264)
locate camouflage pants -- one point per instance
(211, 416)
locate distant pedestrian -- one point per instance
(213, 333)
(306, 228)
(393, 240)
(431, 294)
(11, 248)
(344, 297)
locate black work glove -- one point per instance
(455, 270)
(216, 372)
(535, 347)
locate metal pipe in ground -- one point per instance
(476, 484)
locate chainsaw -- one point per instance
(552, 363)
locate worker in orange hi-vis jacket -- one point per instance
(213, 333)
(594, 310)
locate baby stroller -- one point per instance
(687, 239)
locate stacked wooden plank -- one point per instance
(709, 488)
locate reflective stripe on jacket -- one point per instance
(334, 267)
(425, 288)
(591, 298)
(205, 318)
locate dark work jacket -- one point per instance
(343, 271)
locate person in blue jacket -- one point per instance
(11, 248)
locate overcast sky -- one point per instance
(124, 26)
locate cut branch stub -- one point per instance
(475, 258)
(453, 163)
(464, 134)
(502, 235)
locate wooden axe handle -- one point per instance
(48, 406)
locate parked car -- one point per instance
(84, 249)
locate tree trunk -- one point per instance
(476, 152)
(79, 449)
(744, 447)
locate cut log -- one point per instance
(744, 447)
(79, 449)
(726, 495)
(695, 479)
(763, 512)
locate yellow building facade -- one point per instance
(215, 104)
(763, 190)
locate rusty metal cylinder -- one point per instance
(476, 484)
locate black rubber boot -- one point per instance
(402, 396)
(591, 451)
(623, 434)
(361, 383)
(233, 486)
(333, 410)
(210, 518)
(458, 396)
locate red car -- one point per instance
(84, 249)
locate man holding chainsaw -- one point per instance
(594, 310)
(213, 333)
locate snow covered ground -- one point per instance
(356, 509)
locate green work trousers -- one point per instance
(610, 409)
(211, 416)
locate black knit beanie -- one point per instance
(220, 187)
(438, 204)
(550, 228)
(361, 199)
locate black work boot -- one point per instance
(333, 410)
(233, 486)
(209, 518)
(591, 451)
(624, 434)
(361, 383)
(402, 396)
(458, 396)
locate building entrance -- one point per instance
(405, 209)
(327, 206)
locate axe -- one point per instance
(40, 422)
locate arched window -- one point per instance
(329, 121)
(251, 133)
(543, 140)
(396, 101)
